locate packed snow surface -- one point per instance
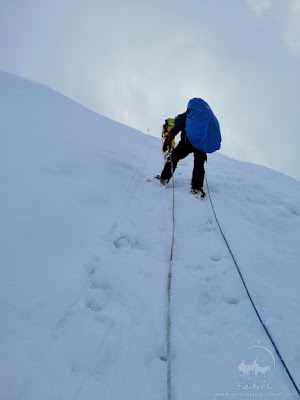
(85, 244)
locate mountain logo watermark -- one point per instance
(255, 368)
(252, 370)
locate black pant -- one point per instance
(183, 149)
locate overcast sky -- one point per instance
(139, 62)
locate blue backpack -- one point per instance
(202, 127)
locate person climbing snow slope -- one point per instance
(200, 134)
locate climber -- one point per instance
(200, 134)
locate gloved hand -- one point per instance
(168, 141)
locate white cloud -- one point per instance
(292, 28)
(286, 16)
(139, 70)
(260, 6)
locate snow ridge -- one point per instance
(84, 260)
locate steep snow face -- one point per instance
(85, 242)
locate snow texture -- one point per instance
(85, 242)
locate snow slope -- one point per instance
(85, 242)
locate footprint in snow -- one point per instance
(98, 296)
(94, 306)
(216, 257)
(232, 300)
(209, 226)
(124, 241)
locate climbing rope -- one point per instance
(250, 298)
(168, 158)
(169, 376)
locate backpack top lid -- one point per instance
(202, 127)
(196, 104)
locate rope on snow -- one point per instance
(169, 376)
